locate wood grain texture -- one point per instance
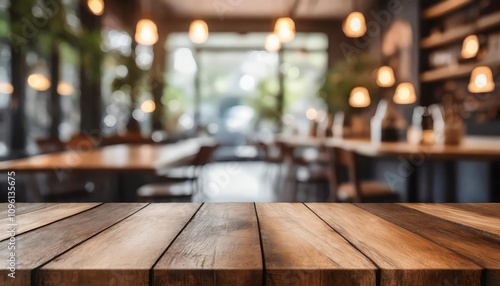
(40, 217)
(220, 246)
(488, 224)
(122, 254)
(37, 247)
(404, 258)
(481, 249)
(145, 157)
(22, 208)
(301, 249)
(487, 209)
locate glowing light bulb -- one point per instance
(148, 106)
(405, 93)
(470, 47)
(96, 7)
(360, 97)
(6, 88)
(385, 77)
(273, 43)
(355, 25)
(285, 29)
(198, 31)
(146, 32)
(481, 80)
(39, 82)
(65, 88)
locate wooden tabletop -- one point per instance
(472, 147)
(254, 244)
(112, 158)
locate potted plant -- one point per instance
(340, 80)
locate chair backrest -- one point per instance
(205, 155)
(344, 159)
(82, 142)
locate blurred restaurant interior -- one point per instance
(250, 100)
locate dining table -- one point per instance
(478, 148)
(250, 244)
(122, 161)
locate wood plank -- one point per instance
(22, 208)
(31, 220)
(489, 224)
(487, 209)
(221, 245)
(41, 245)
(124, 253)
(480, 249)
(404, 258)
(300, 249)
(455, 71)
(443, 8)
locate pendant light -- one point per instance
(481, 80)
(360, 97)
(273, 43)
(6, 88)
(385, 77)
(470, 47)
(148, 106)
(285, 29)
(146, 32)
(65, 88)
(96, 7)
(198, 31)
(39, 77)
(405, 94)
(355, 24)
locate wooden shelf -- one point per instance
(444, 8)
(459, 33)
(455, 71)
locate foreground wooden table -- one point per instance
(253, 244)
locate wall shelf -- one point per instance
(444, 8)
(459, 33)
(455, 71)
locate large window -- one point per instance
(230, 84)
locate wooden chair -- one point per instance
(179, 188)
(305, 172)
(61, 186)
(355, 190)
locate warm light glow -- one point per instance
(273, 43)
(405, 93)
(385, 77)
(470, 47)
(360, 97)
(198, 32)
(148, 106)
(146, 32)
(6, 88)
(285, 29)
(481, 80)
(355, 25)
(311, 114)
(96, 7)
(65, 88)
(39, 82)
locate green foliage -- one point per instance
(135, 83)
(346, 75)
(265, 100)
